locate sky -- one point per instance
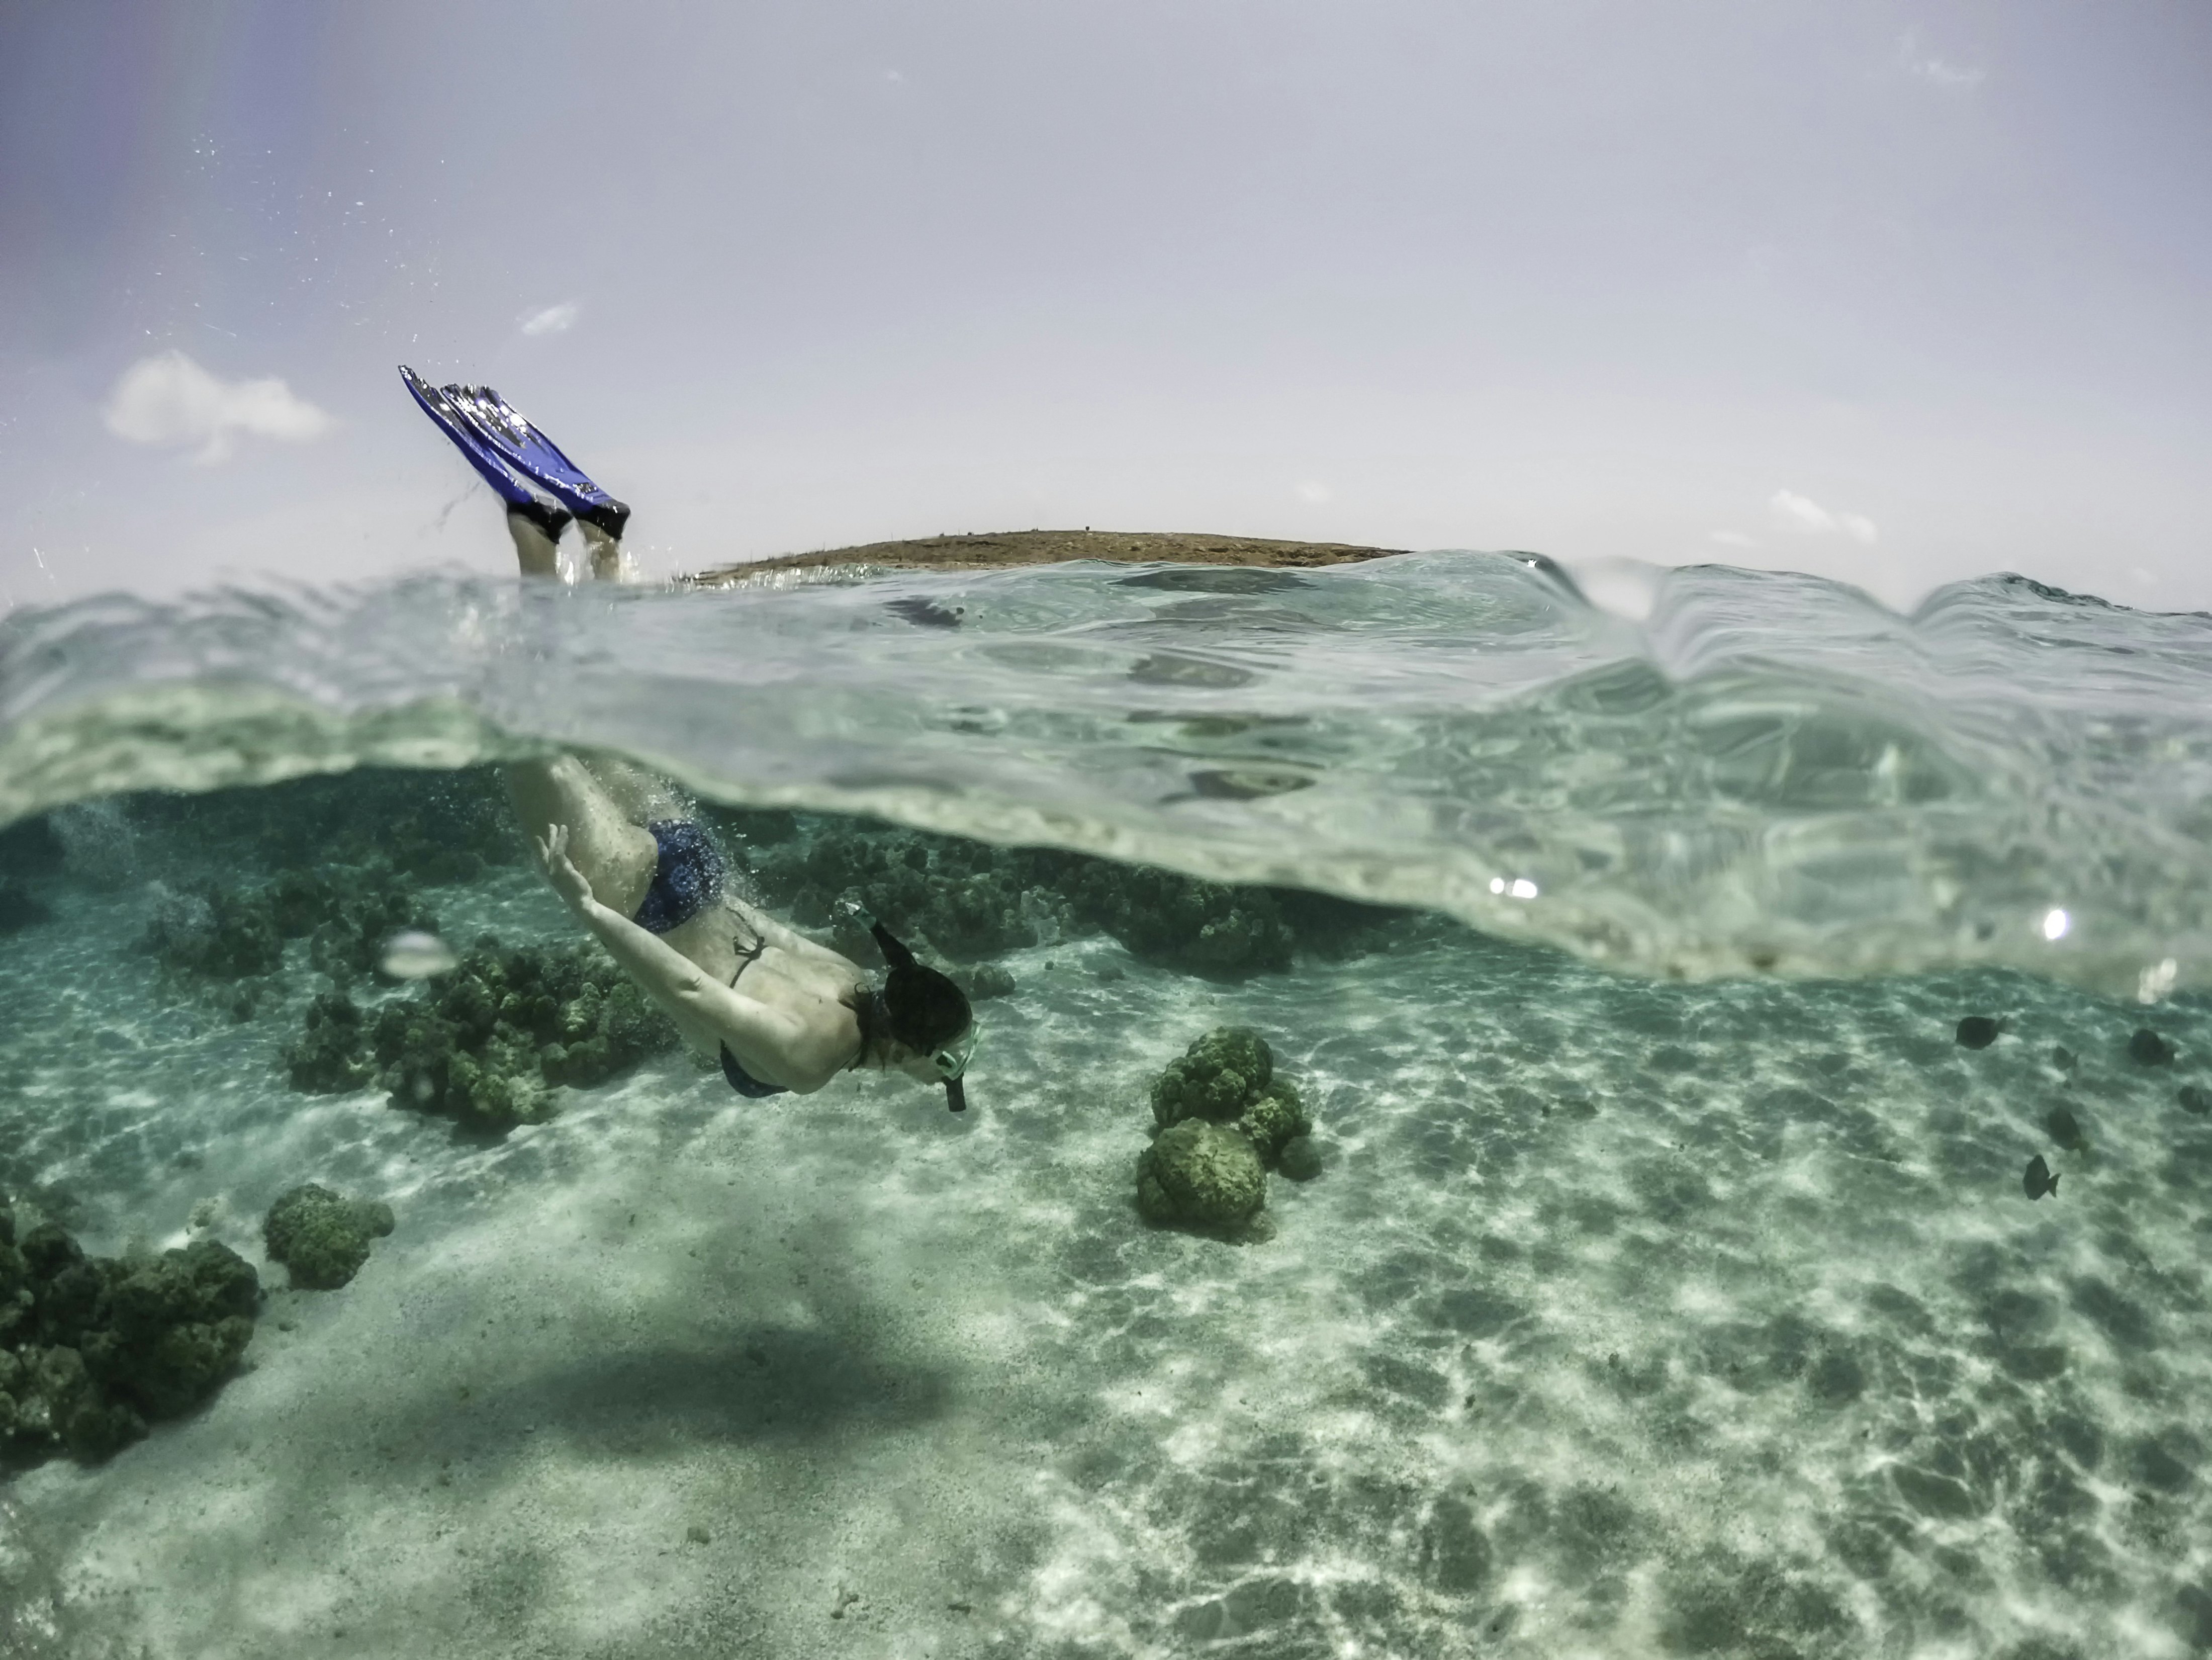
(1898, 293)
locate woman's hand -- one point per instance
(567, 881)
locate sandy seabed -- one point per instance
(1626, 1321)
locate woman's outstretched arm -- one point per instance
(694, 999)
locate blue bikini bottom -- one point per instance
(687, 876)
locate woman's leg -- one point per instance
(641, 796)
(537, 553)
(617, 857)
(604, 804)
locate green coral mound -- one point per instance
(968, 901)
(321, 1236)
(218, 932)
(93, 1349)
(1180, 921)
(1228, 1077)
(1221, 1120)
(486, 1043)
(331, 1056)
(213, 933)
(1214, 1079)
(348, 920)
(1196, 1174)
(1273, 1119)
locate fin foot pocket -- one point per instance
(549, 521)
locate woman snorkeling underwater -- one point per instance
(781, 1012)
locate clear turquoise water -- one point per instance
(1671, 1289)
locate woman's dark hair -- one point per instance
(925, 1010)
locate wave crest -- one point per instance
(1770, 773)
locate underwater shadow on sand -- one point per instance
(770, 1383)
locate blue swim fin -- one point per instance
(510, 485)
(537, 458)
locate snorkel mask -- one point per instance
(950, 1061)
(922, 982)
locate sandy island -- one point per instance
(1047, 547)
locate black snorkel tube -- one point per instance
(950, 1059)
(893, 948)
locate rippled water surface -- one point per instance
(1670, 1287)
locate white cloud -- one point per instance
(1933, 70)
(1732, 538)
(169, 399)
(1795, 513)
(554, 319)
(1315, 491)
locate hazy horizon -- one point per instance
(1899, 295)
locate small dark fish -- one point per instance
(2038, 1180)
(1247, 783)
(2196, 1100)
(2148, 1048)
(2062, 1058)
(1171, 668)
(2063, 1129)
(925, 613)
(1978, 1031)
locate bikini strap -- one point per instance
(745, 958)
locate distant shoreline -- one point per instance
(1044, 547)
